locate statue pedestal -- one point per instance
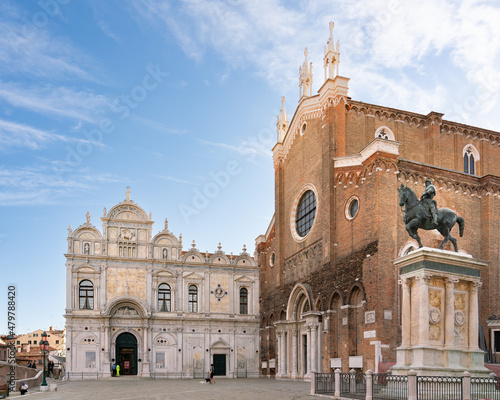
(439, 314)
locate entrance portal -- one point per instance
(126, 353)
(220, 364)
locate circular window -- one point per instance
(272, 259)
(352, 208)
(303, 129)
(306, 211)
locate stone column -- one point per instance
(423, 318)
(473, 316)
(406, 323)
(314, 347)
(295, 351)
(449, 319)
(283, 352)
(278, 334)
(308, 355)
(145, 352)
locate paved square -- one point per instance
(128, 388)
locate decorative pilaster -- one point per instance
(282, 359)
(278, 334)
(424, 310)
(449, 319)
(308, 370)
(474, 315)
(406, 323)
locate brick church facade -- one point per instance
(329, 290)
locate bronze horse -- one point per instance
(415, 218)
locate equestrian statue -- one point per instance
(424, 214)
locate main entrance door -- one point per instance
(220, 364)
(126, 353)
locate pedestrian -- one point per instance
(117, 370)
(50, 368)
(23, 389)
(29, 364)
(113, 371)
(33, 364)
(212, 374)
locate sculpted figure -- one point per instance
(424, 214)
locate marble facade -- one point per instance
(156, 310)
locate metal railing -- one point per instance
(485, 388)
(439, 387)
(325, 383)
(389, 387)
(353, 385)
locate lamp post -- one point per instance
(44, 346)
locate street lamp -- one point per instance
(44, 345)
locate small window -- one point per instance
(352, 207)
(34, 341)
(86, 295)
(303, 129)
(29, 341)
(272, 259)
(306, 211)
(469, 162)
(57, 341)
(193, 299)
(243, 301)
(164, 298)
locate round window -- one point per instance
(352, 208)
(303, 129)
(272, 259)
(306, 211)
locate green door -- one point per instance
(220, 364)
(126, 353)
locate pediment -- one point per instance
(165, 274)
(244, 279)
(193, 276)
(86, 269)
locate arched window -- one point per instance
(193, 299)
(243, 301)
(471, 155)
(164, 297)
(86, 295)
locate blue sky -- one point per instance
(166, 96)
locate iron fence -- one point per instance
(79, 376)
(485, 388)
(390, 387)
(325, 383)
(439, 388)
(353, 385)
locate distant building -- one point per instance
(139, 300)
(329, 290)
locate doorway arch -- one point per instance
(126, 353)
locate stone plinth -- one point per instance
(439, 314)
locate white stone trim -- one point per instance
(348, 207)
(295, 235)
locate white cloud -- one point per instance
(63, 101)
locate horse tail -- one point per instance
(461, 224)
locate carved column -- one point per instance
(295, 351)
(308, 370)
(278, 334)
(406, 325)
(473, 315)
(282, 359)
(449, 319)
(424, 310)
(314, 347)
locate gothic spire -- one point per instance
(332, 56)
(305, 78)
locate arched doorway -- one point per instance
(126, 353)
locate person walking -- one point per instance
(212, 374)
(113, 371)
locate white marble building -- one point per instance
(141, 301)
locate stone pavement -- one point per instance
(133, 388)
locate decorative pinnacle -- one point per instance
(193, 245)
(88, 217)
(219, 247)
(127, 193)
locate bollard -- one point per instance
(337, 382)
(369, 384)
(466, 385)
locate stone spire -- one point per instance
(306, 78)
(283, 121)
(332, 56)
